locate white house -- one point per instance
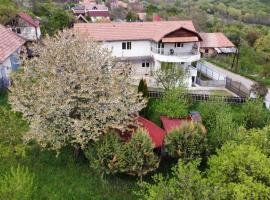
(10, 45)
(25, 26)
(147, 44)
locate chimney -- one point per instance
(156, 18)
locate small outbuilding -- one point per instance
(213, 44)
(27, 27)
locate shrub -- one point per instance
(255, 137)
(104, 155)
(239, 172)
(186, 142)
(186, 183)
(173, 104)
(218, 119)
(254, 114)
(111, 155)
(138, 154)
(18, 184)
(143, 88)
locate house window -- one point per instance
(18, 30)
(126, 45)
(145, 64)
(206, 51)
(178, 44)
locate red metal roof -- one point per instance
(29, 19)
(118, 31)
(156, 133)
(9, 43)
(215, 40)
(169, 123)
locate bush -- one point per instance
(254, 114)
(186, 142)
(138, 154)
(173, 104)
(143, 88)
(18, 184)
(218, 119)
(186, 183)
(239, 172)
(255, 137)
(111, 155)
(104, 155)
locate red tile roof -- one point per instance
(29, 19)
(169, 123)
(215, 40)
(98, 13)
(9, 43)
(156, 133)
(131, 31)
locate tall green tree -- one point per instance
(173, 103)
(239, 172)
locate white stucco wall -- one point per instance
(30, 33)
(138, 48)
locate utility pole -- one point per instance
(236, 55)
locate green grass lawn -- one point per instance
(62, 177)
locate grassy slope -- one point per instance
(63, 178)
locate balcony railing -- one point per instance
(172, 52)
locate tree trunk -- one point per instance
(77, 152)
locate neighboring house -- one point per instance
(216, 43)
(118, 4)
(27, 27)
(10, 45)
(97, 12)
(147, 44)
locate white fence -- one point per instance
(210, 73)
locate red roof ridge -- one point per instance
(29, 19)
(156, 133)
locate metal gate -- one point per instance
(237, 88)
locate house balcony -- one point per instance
(162, 55)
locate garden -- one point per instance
(68, 130)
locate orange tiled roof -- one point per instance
(215, 40)
(9, 43)
(131, 31)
